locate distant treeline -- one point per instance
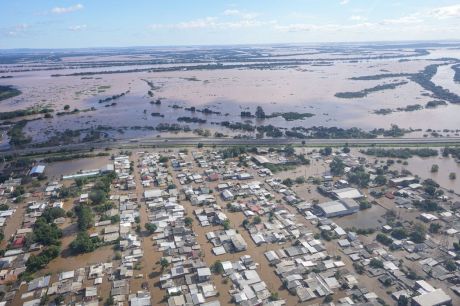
(400, 153)
(363, 93)
(191, 120)
(289, 116)
(253, 63)
(114, 97)
(424, 79)
(7, 92)
(457, 73)
(25, 112)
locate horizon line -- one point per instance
(455, 41)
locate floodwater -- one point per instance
(445, 78)
(56, 170)
(304, 88)
(422, 167)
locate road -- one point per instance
(187, 141)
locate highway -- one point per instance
(189, 141)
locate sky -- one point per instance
(123, 23)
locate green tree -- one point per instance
(289, 150)
(38, 262)
(337, 167)
(376, 263)
(97, 196)
(85, 217)
(418, 233)
(450, 265)
(51, 214)
(260, 114)
(399, 233)
(326, 151)
(150, 227)
(226, 224)
(434, 168)
(217, 267)
(46, 233)
(188, 221)
(83, 244)
(288, 182)
(403, 300)
(380, 180)
(164, 263)
(359, 177)
(300, 180)
(434, 228)
(274, 296)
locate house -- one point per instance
(84, 198)
(260, 160)
(204, 274)
(434, 298)
(238, 243)
(406, 180)
(244, 176)
(152, 194)
(227, 195)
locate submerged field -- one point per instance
(133, 93)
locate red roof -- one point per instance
(19, 242)
(389, 195)
(213, 177)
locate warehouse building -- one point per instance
(37, 170)
(337, 208)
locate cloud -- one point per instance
(358, 18)
(405, 20)
(65, 10)
(212, 23)
(77, 28)
(17, 30)
(331, 27)
(344, 2)
(231, 12)
(444, 12)
(240, 14)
